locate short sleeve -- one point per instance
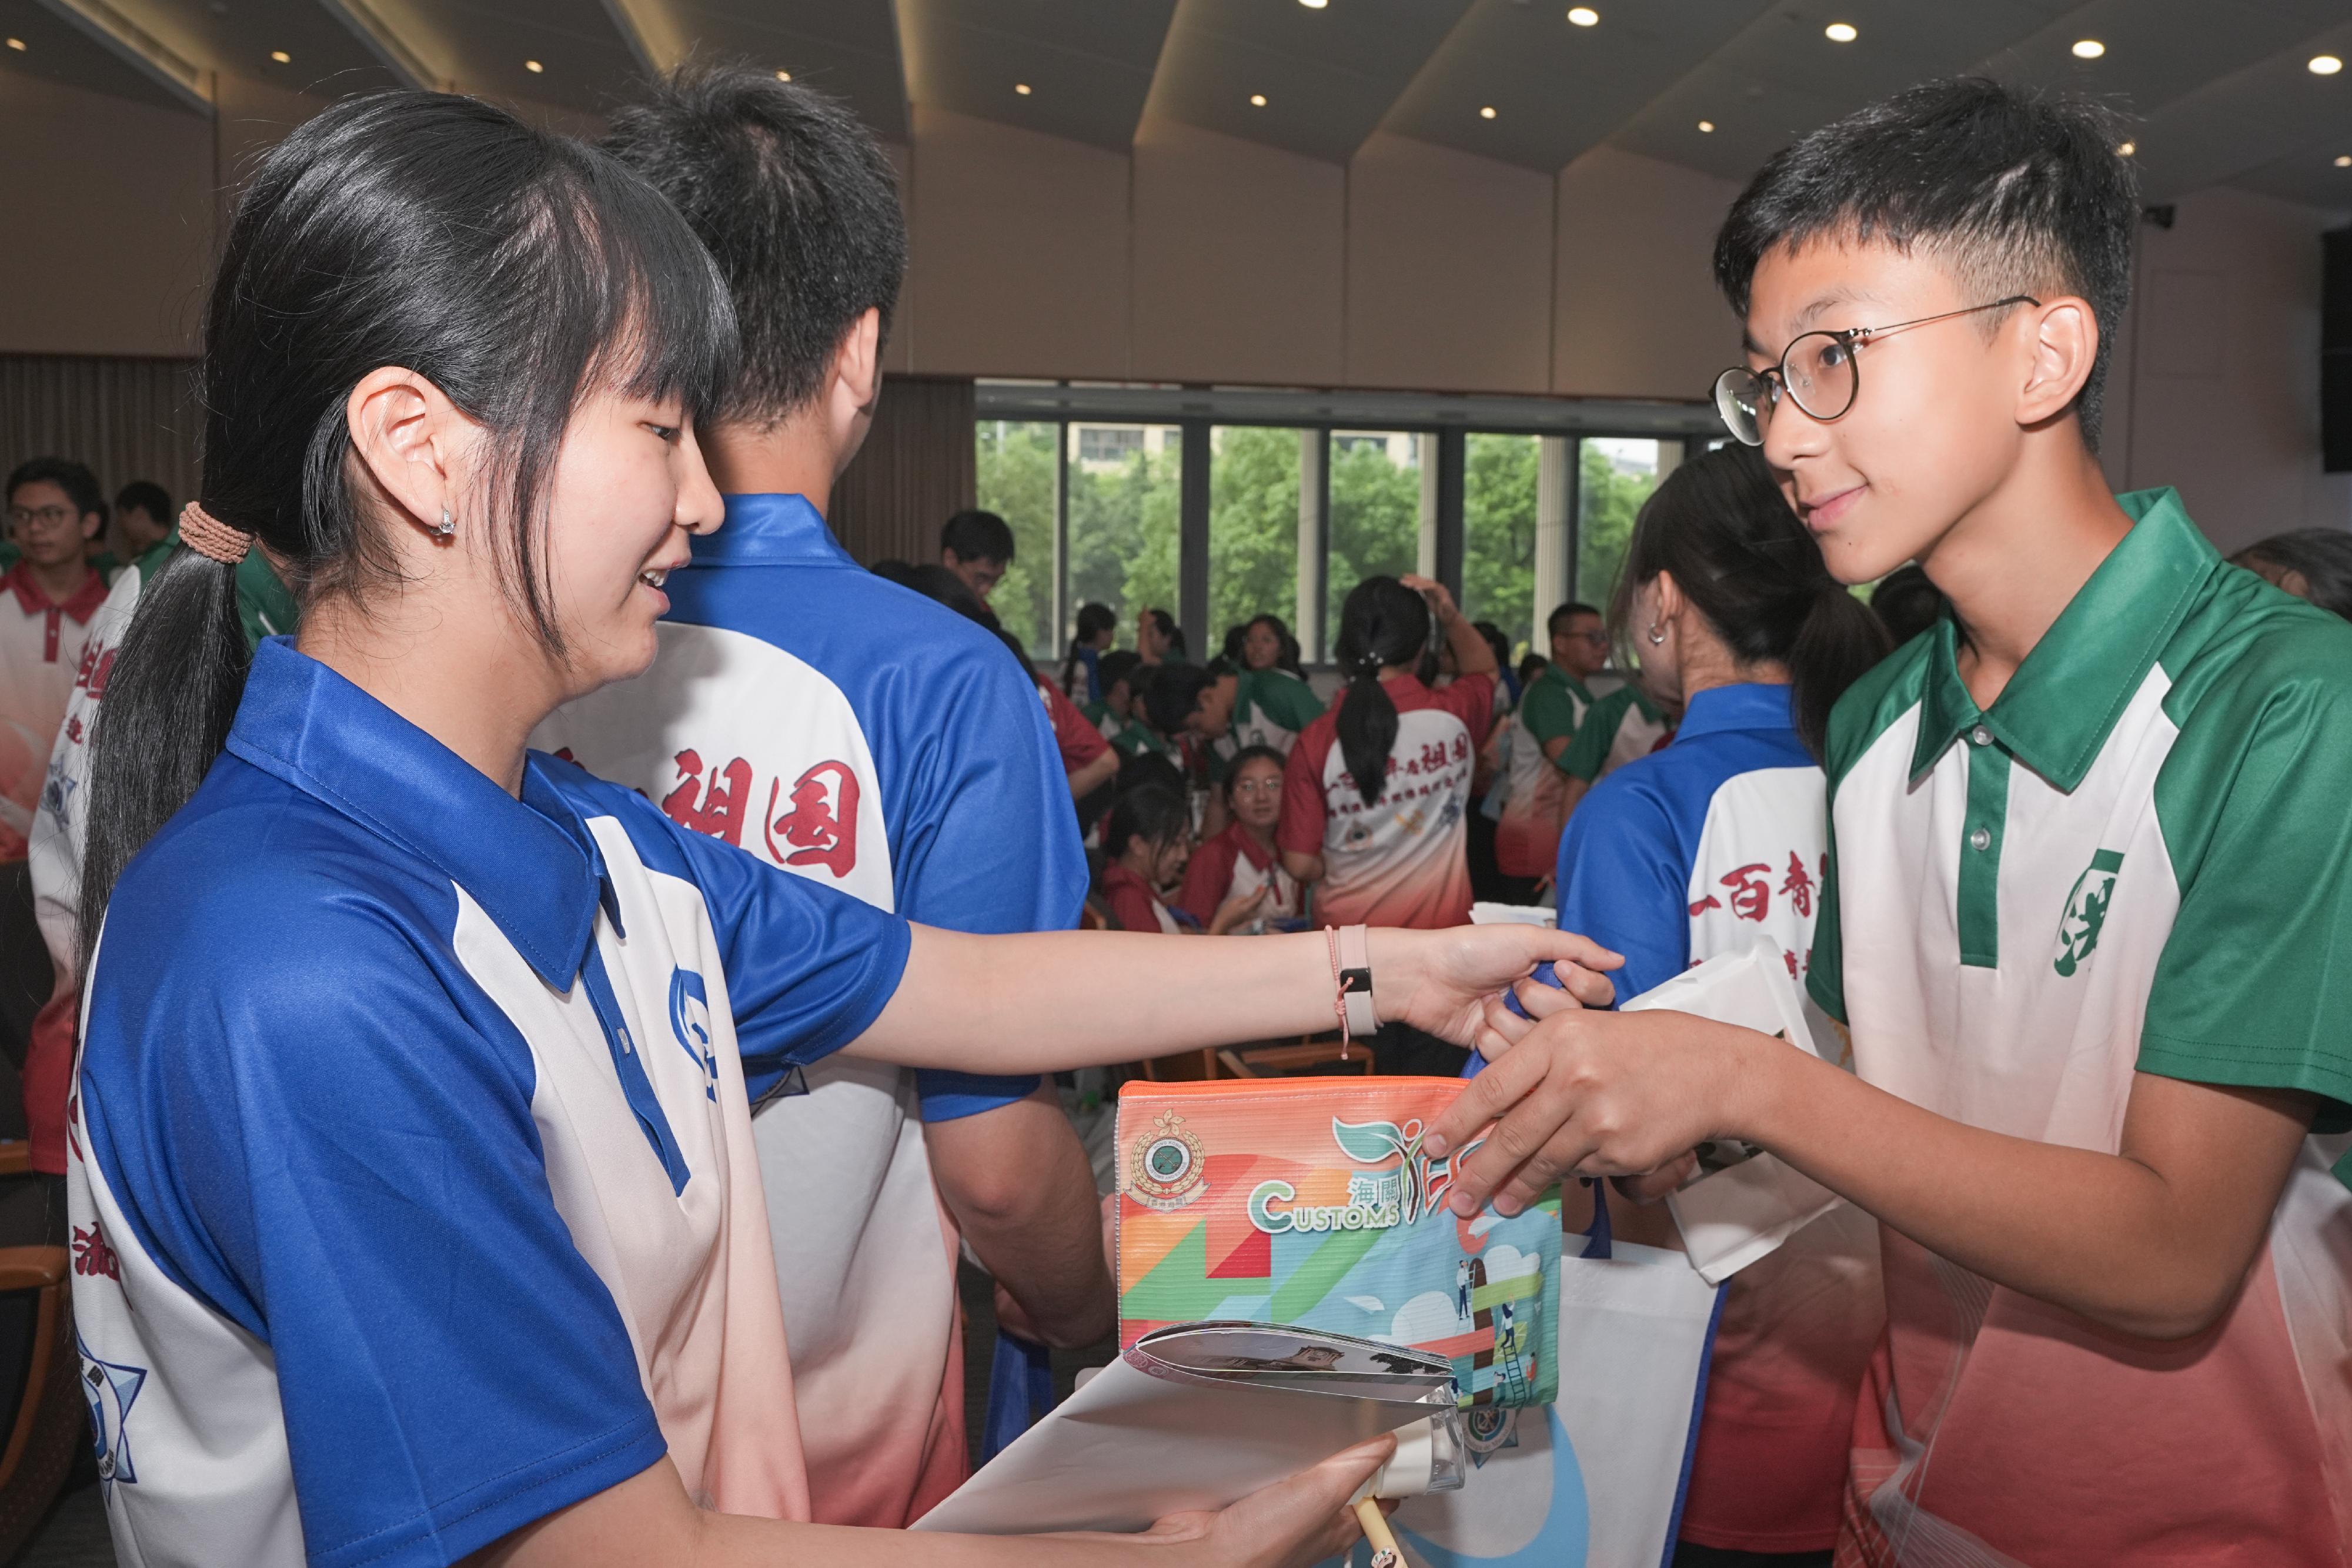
(2252, 988)
(1130, 907)
(1080, 742)
(1288, 701)
(347, 1168)
(1471, 699)
(1304, 810)
(808, 968)
(1588, 753)
(1548, 712)
(1825, 969)
(1623, 881)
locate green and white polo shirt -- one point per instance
(2139, 859)
(1273, 708)
(1616, 729)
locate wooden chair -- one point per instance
(41, 1406)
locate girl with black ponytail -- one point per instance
(1376, 788)
(411, 1137)
(1082, 680)
(1698, 849)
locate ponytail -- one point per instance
(157, 732)
(1719, 525)
(1383, 625)
(517, 270)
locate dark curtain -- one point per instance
(128, 419)
(915, 470)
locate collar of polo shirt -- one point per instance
(2058, 707)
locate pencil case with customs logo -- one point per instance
(1310, 1202)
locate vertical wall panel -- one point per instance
(1636, 312)
(915, 470)
(128, 419)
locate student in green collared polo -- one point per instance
(2089, 899)
(1526, 839)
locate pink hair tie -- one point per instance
(212, 539)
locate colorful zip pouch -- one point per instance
(1310, 1202)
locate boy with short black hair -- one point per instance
(977, 547)
(142, 510)
(840, 726)
(2090, 878)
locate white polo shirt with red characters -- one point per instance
(40, 652)
(1401, 859)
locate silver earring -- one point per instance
(1656, 633)
(448, 525)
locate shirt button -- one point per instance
(1981, 736)
(1981, 840)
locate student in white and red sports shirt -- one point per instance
(55, 509)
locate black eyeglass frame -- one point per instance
(1727, 390)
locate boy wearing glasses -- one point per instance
(2090, 884)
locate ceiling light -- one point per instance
(1487, 113)
(2127, 149)
(533, 67)
(2344, 161)
(1840, 32)
(18, 44)
(2089, 49)
(1258, 100)
(2326, 65)
(1021, 88)
(1584, 17)
(784, 75)
(1708, 126)
(1315, 5)
(281, 57)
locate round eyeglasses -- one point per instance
(1817, 373)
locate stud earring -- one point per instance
(1656, 633)
(448, 525)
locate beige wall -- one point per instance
(1203, 258)
(1240, 261)
(2218, 379)
(1636, 313)
(109, 222)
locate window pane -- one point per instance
(1123, 531)
(1017, 482)
(1614, 476)
(1375, 513)
(1499, 521)
(1253, 529)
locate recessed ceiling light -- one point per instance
(18, 44)
(1487, 113)
(1258, 100)
(2326, 65)
(2344, 160)
(2127, 149)
(1840, 32)
(1315, 5)
(784, 75)
(1584, 15)
(533, 67)
(281, 57)
(1708, 126)
(2089, 49)
(1021, 88)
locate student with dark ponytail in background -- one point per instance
(1375, 791)
(1693, 851)
(411, 1141)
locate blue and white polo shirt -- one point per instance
(411, 1186)
(853, 732)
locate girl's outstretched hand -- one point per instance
(1441, 981)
